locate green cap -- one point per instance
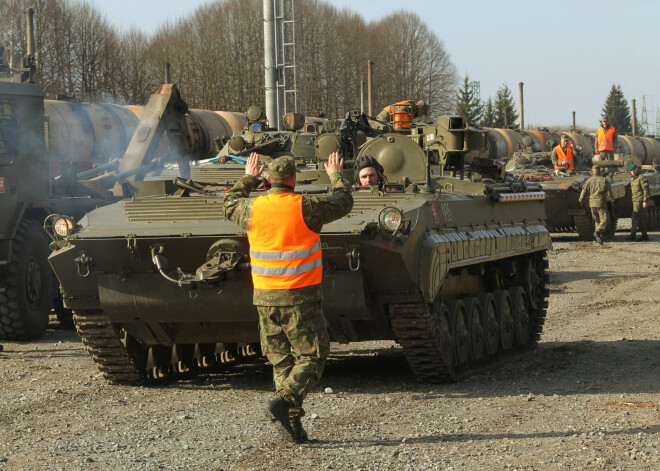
(632, 167)
(282, 167)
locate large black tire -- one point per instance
(25, 305)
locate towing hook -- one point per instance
(84, 263)
(353, 259)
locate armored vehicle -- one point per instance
(452, 269)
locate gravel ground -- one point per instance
(588, 399)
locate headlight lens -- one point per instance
(392, 219)
(63, 227)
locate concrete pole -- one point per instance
(634, 117)
(168, 74)
(270, 68)
(522, 107)
(361, 96)
(370, 76)
(574, 128)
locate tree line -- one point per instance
(217, 54)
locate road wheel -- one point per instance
(25, 305)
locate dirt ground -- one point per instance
(588, 399)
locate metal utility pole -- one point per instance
(270, 68)
(288, 23)
(522, 107)
(574, 128)
(361, 96)
(634, 117)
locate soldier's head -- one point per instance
(595, 169)
(564, 141)
(368, 172)
(282, 170)
(604, 121)
(634, 169)
(422, 108)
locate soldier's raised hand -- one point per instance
(334, 164)
(252, 166)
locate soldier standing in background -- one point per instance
(640, 196)
(563, 156)
(605, 140)
(599, 191)
(285, 256)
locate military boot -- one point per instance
(299, 431)
(277, 412)
(643, 237)
(598, 237)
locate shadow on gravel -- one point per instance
(466, 437)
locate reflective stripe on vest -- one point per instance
(284, 252)
(564, 160)
(605, 140)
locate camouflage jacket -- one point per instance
(316, 210)
(640, 188)
(599, 191)
(555, 158)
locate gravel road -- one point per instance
(588, 399)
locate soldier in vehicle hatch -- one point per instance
(564, 156)
(599, 191)
(403, 113)
(606, 141)
(369, 172)
(640, 196)
(283, 230)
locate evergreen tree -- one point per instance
(617, 110)
(505, 109)
(488, 120)
(467, 104)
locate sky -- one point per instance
(568, 53)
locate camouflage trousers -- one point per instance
(606, 155)
(295, 340)
(601, 219)
(638, 216)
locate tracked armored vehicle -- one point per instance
(452, 269)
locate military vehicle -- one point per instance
(452, 269)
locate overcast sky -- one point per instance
(567, 53)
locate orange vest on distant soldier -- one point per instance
(605, 140)
(401, 114)
(284, 252)
(564, 160)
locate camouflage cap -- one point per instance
(632, 167)
(564, 137)
(595, 167)
(604, 118)
(282, 167)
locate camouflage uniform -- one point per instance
(293, 329)
(599, 191)
(384, 116)
(640, 193)
(555, 159)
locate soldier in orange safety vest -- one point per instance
(563, 155)
(283, 229)
(605, 140)
(402, 114)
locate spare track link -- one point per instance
(103, 342)
(414, 331)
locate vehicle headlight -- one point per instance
(391, 218)
(63, 226)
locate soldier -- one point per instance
(369, 172)
(563, 156)
(640, 196)
(285, 255)
(599, 191)
(403, 113)
(605, 140)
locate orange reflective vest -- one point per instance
(605, 139)
(402, 114)
(284, 252)
(564, 160)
